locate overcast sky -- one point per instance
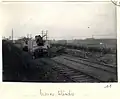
(62, 20)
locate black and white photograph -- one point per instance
(59, 42)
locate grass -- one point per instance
(19, 66)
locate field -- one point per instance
(64, 64)
(19, 66)
(98, 43)
(101, 50)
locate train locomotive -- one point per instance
(38, 47)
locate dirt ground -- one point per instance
(18, 66)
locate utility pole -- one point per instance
(30, 36)
(46, 34)
(12, 34)
(42, 33)
(27, 35)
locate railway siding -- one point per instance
(102, 75)
(95, 65)
(74, 74)
(93, 61)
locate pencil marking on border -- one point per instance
(116, 2)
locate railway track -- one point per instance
(100, 72)
(103, 67)
(93, 61)
(73, 74)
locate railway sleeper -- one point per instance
(79, 76)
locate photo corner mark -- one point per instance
(116, 2)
